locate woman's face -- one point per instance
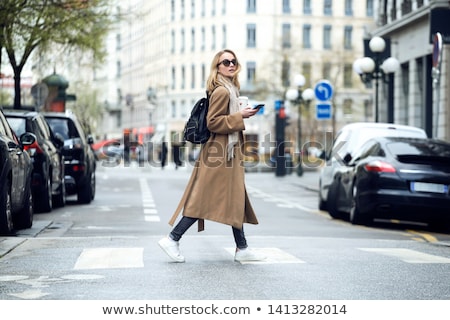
(227, 65)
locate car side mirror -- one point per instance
(90, 139)
(27, 139)
(347, 158)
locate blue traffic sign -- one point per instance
(323, 90)
(323, 111)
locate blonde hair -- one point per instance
(213, 79)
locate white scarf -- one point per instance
(233, 137)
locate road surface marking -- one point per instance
(150, 211)
(273, 256)
(407, 255)
(109, 258)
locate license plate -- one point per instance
(429, 187)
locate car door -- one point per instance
(51, 150)
(17, 164)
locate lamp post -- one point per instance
(297, 97)
(375, 67)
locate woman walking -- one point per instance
(216, 190)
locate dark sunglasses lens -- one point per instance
(227, 62)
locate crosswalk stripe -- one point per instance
(408, 255)
(273, 255)
(108, 258)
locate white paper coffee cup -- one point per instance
(243, 102)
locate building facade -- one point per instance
(164, 50)
(422, 85)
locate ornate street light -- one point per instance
(297, 97)
(375, 67)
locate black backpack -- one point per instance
(196, 130)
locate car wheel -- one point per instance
(24, 219)
(355, 214)
(332, 207)
(322, 202)
(45, 203)
(86, 193)
(6, 221)
(59, 200)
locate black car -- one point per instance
(79, 158)
(16, 198)
(48, 163)
(406, 179)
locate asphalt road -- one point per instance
(108, 249)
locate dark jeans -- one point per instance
(186, 222)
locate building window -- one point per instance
(182, 10)
(203, 75)
(203, 41)
(172, 44)
(286, 6)
(173, 109)
(203, 10)
(224, 7)
(285, 73)
(307, 7)
(251, 35)
(307, 71)
(348, 75)
(193, 40)
(286, 37)
(348, 37)
(213, 8)
(328, 7)
(192, 8)
(251, 72)
(193, 77)
(347, 107)
(183, 77)
(173, 78)
(224, 36)
(369, 8)
(326, 70)
(327, 37)
(251, 6)
(307, 36)
(349, 8)
(183, 41)
(213, 40)
(172, 10)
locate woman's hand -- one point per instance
(248, 112)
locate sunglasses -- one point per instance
(227, 62)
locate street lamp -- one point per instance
(297, 97)
(375, 67)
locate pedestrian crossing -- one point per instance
(133, 257)
(148, 203)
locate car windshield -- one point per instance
(18, 125)
(64, 127)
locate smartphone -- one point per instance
(258, 106)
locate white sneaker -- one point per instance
(171, 248)
(243, 255)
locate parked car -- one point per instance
(79, 158)
(347, 142)
(16, 198)
(46, 153)
(396, 178)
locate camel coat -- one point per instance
(216, 190)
